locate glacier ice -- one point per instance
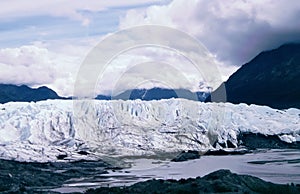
(43, 130)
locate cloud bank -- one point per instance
(234, 30)
(34, 66)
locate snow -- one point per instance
(41, 131)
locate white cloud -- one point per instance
(27, 64)
(141, 67)
(147, 67)
(35, 65)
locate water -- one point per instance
(278, 166)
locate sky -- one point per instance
(44, 43)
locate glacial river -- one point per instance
(278, 166)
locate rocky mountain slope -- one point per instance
(272, 78)
(23, 93)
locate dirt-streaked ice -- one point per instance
(41, 131)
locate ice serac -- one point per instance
(80, 129)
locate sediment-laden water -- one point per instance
(278, 166)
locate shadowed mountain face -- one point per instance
(272, 78)
(23, 93)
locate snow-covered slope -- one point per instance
(44, 130)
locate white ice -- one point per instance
(41, 131)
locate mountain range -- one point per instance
(23, 93)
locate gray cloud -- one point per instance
(234, 30)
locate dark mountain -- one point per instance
(23, 93)
(272, 78)
(103, 97)
(161, 93)
(9, 92)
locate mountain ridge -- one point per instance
(23, 93)
(271, 78)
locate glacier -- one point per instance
(93, 129)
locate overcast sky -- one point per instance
(45, 42)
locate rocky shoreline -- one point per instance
(32, 177)
(221, 181)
